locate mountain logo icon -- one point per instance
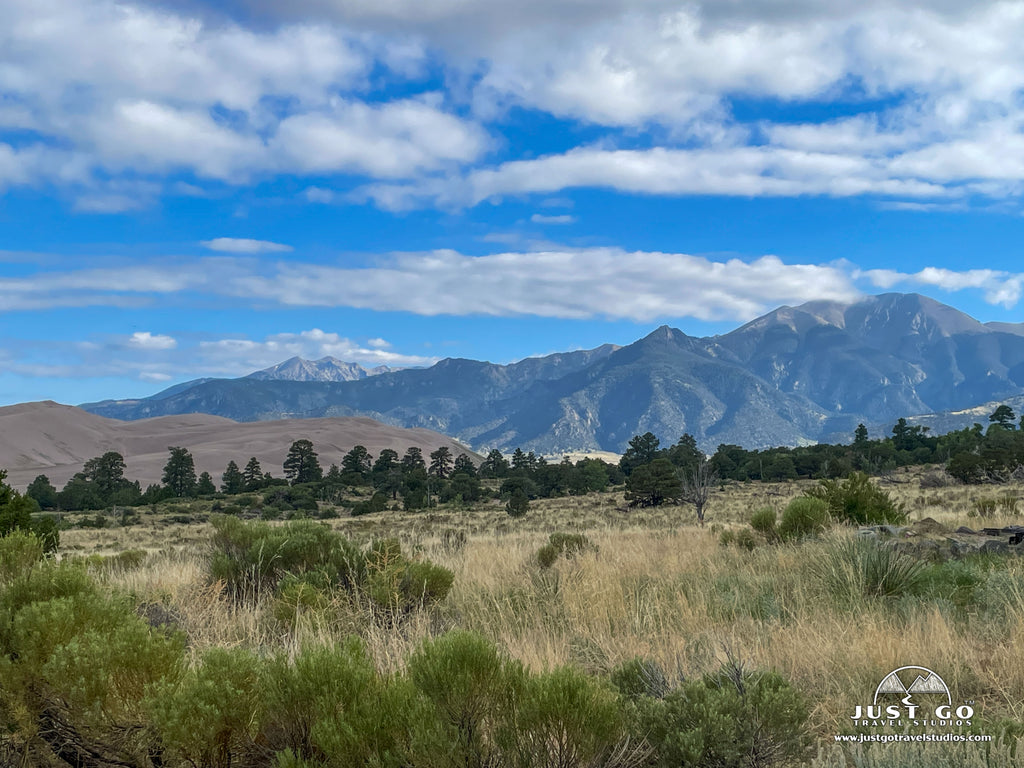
(910, 680)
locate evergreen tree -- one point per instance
(43, 492)
(232, 481)
(653, 484)
(1003, 417)
(301, 465)
(253, 475)
(106, 472)
(356, 465)
(180, 473)
(441, 462)
(495, 465)
(464, 466)
(204, 485)
(413, 460)
(16, 515)
(643, 449)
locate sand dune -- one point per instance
(56, 440)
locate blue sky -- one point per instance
(190, 188)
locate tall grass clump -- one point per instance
(858, 501)
(857, 568)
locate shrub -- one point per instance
(1008, 504)
(803, 516)
(253, 557)
(861, 567)
(763, 521)
(518, 504)
(727, 537)
(567, 544)
(639, 677)
(746, 539)
(473, 689)
(328, 702)
(63, 646)
(731, 719)
(858, 501)
(547, 555)
(210, 715)
(564, 718)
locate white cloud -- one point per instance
(244, 245)
(539, 218)
(567, 283)
(146, 340)
(160, 358)
(239, 356)
(745, 171)
(997, 286)
(105, 89)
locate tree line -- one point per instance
(653, 475)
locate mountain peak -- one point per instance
(325, 369)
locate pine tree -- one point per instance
(301, 465)
(253, 475)
(232, 481)
(180, 472)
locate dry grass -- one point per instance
(656, 586)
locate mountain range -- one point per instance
(796, 375)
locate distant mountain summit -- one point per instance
(796, 375)
(324, 369)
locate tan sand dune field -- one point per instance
(56, 440)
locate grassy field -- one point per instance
(653, 584)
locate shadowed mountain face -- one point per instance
(798, 374)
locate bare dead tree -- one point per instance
(698, 481)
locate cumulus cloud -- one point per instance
(242, 355)
(747, 171)
(997, 286)
(244, 245)
(99, 89)
(251, 89)
(147, 340)
(160, 358)
(548, 280)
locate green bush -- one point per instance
(330, 705)
(564, 718)
(63, 651)
(804, 516)
(763, 521)
(746, 539)
(566, 544)
(210, 715)
(861, 567)
(253, 557)
(858, 501)
(473, 689)
(727, 537)
(732, 719)
(639, 677)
